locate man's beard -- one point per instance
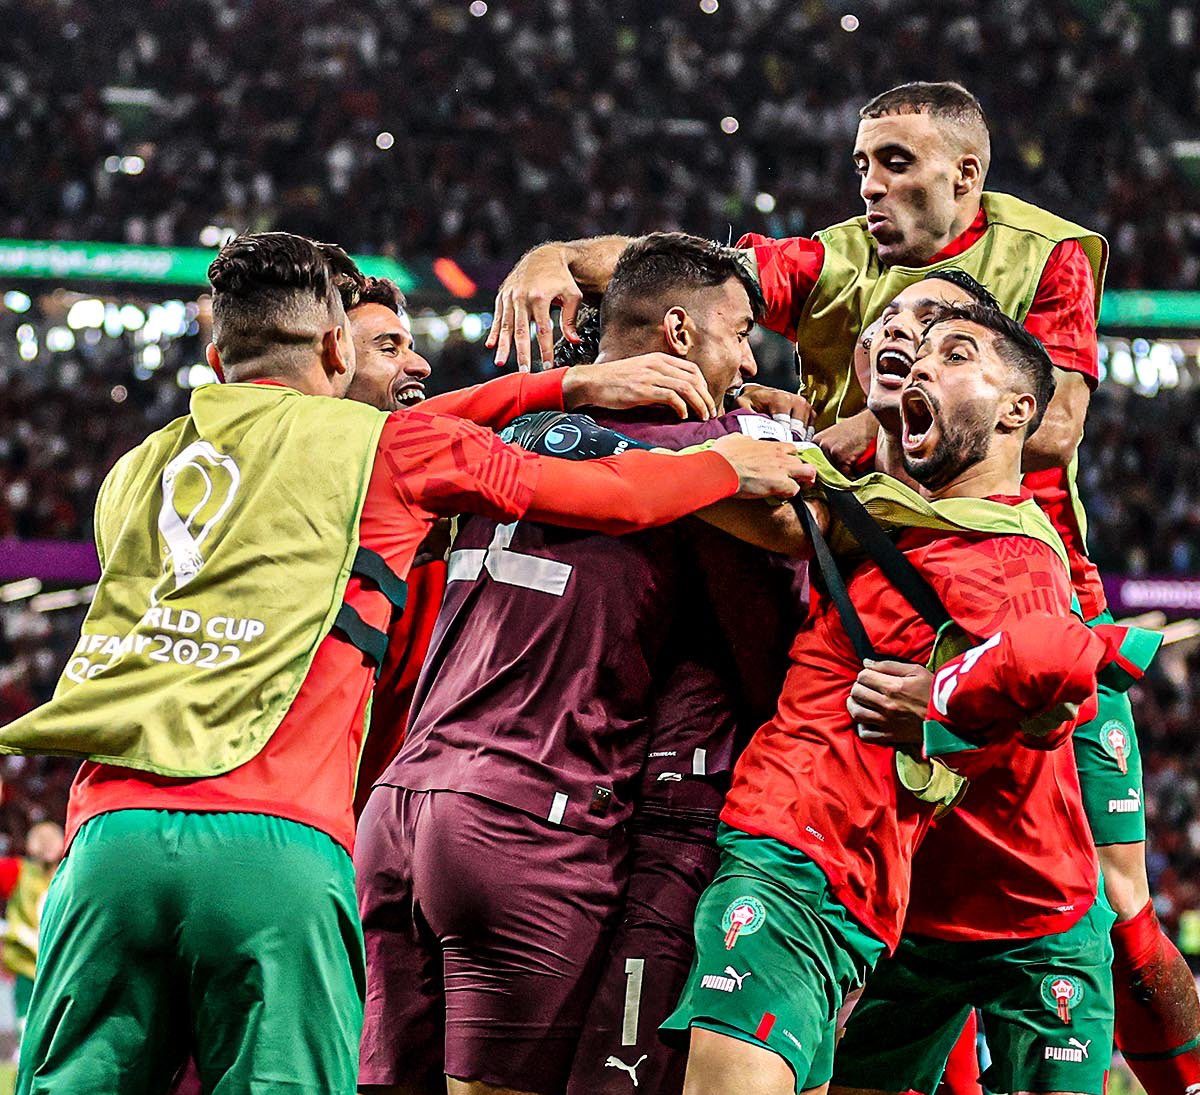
(962, 442)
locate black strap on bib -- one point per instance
(370, 640)
(372, 567)
(899, 571)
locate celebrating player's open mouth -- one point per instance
(892, 366)
(407, 392)
(918, 421)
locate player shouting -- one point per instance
(818, 829)
(1004, 901)
(923, 151)
(251, 552)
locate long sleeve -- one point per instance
(445, 466)
(1030, 669)
(497, 402)
(633, 491)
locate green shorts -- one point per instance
(233, 936)
(1110, 768)
(775, 956)
(1047, 1008)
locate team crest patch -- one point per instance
(1062, 993)
(743, 917)
(1115, 740)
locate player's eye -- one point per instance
(860, 167)
(897, 166)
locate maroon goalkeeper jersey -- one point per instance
(547, 654)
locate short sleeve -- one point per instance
(788, 270)
(1063, 313)
(446, 465)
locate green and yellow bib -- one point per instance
(226, 540)
(854, 287)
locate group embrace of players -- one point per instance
(669, 793)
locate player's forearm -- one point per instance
(591, 261)
(637, 490)
(774, 528)
(1027, 679)
(1054, 443)
(497, 402)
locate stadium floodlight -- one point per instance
(16, 301)
(59, 340)
(86, 313)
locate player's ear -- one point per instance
(213, 356)
(1017, 411)
(337, 350)
(678, 331)
(970, 174)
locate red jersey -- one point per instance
(1037, 878)
(1062, 316)
(808, 780)
(427, 465)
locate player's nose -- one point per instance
(417, 367)
(872, 187)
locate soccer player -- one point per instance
(1001, 909)
(492, 855)
(818, 830)
(251, 553)
(923, 151)
(1118, 832)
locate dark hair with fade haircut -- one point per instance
(367, 289)
(1019, 350)
(980, 292)
(666, 263)
(587, 349)
(948, 102)
(272, 291)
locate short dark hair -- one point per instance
(949, 102)
(1020, 350)
(667, 263)
(371, 290)
(272, 291)
(587, 349)
(980, 292)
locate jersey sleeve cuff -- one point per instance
(543, 391)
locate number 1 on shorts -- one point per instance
(634, 968)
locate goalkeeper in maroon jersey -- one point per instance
(491, 855)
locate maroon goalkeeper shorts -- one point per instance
(486, 929)
(646, 967)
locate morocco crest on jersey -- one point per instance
(743, 917)
(1062, 993)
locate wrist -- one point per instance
(578, 389)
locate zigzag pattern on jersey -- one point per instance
(480, 464)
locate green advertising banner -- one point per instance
(115, 262)
(85, 261)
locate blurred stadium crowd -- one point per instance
(446, 128)
(438, 127)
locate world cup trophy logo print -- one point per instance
(198, 485)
